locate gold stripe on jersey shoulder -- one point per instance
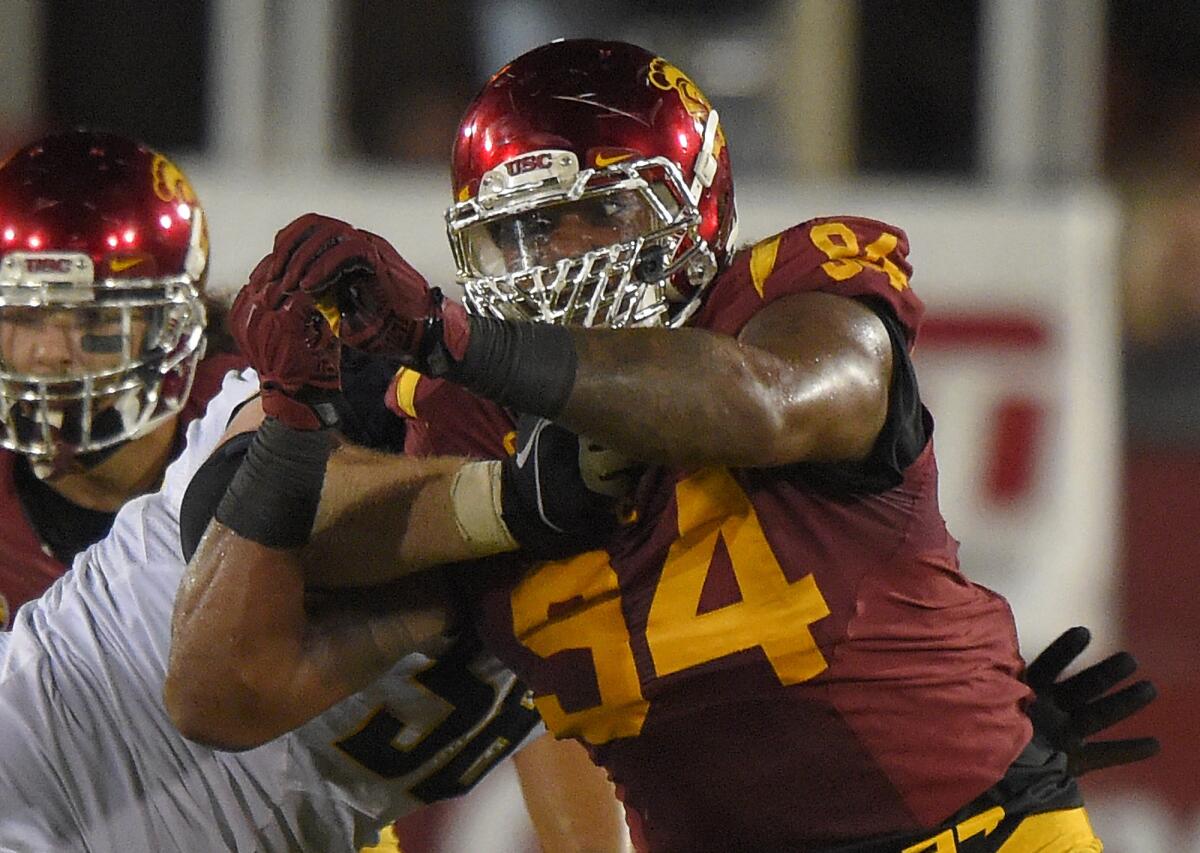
(762, 261)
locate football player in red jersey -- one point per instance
(776, 650)
(103, 253)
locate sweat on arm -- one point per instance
(266, 637)
(258, 645)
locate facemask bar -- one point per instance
(129, 399)
(624, 284)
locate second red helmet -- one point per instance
(103, 255)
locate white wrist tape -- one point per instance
(475, 495)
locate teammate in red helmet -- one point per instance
(103, 254)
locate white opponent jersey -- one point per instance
(89, 760)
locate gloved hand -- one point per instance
(562, 494)
(1065, 713)
(385, 306)
(286, 337)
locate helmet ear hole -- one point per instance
(652, 263)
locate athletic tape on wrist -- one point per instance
(529, 367)
(476, 497)
(273, 497)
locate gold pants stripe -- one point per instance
(1066, 831)
(388, 843)
(1061, 831)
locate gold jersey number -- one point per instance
(773, 614)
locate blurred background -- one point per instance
(1044, 158)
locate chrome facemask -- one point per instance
(512, 265)
(125, 358)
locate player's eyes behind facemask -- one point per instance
(545, 235)
(60, 343)
(103, 332)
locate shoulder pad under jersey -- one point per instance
(847, 255)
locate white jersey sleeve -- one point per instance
(91, 762)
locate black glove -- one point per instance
(561, 494)
(1065, 713)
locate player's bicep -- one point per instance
(830, 363)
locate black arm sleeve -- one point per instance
(206, 489)
(908, 425)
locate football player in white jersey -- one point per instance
(291, 345)
(92, 762)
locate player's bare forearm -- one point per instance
(807, 379)
(265, 638)
(383, 516)
(571, 804)
(254, 654)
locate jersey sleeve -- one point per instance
(210, 377)
(866, 260)
(860, 259)
(850, 256)
(445, 419)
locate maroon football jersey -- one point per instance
(759, 663)
(27, 568)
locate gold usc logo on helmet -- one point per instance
(663, 75)
(169, 182)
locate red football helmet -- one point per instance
(592, 186)
(103, 253)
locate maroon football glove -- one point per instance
(386, 306)
(291, 346)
